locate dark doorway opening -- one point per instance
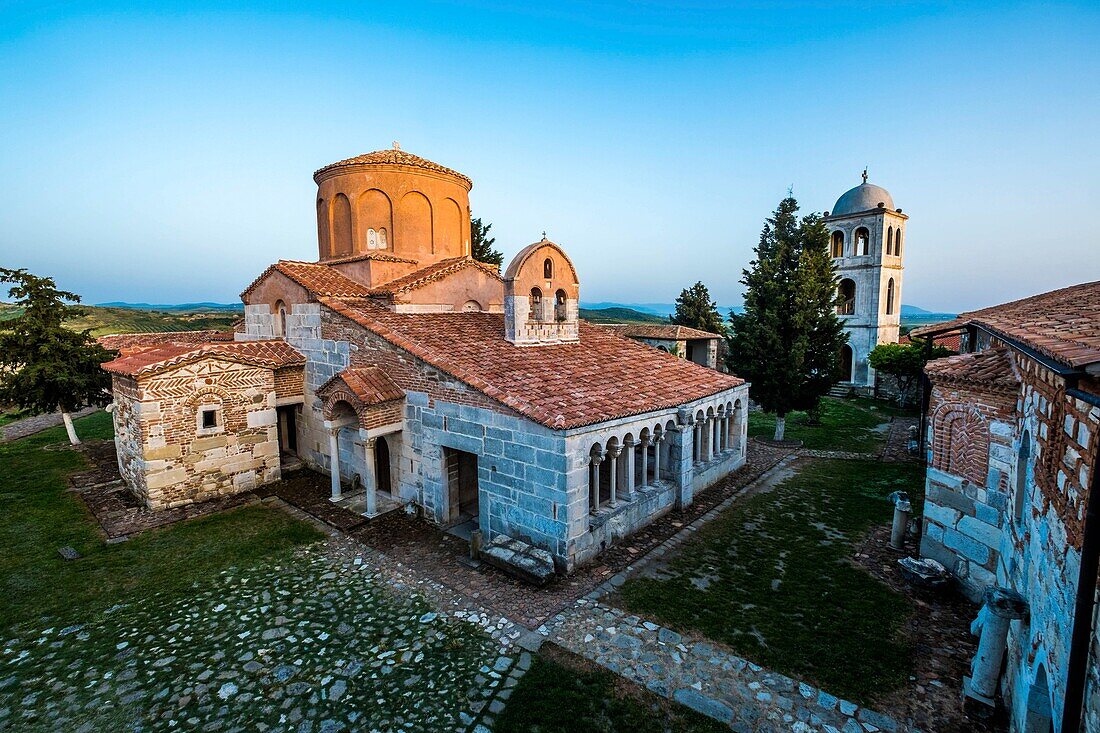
(462, 485)
(288, 430)
(846, 363)
(382, 466)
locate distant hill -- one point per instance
(101, 320)
(177, 307)
(619, 314)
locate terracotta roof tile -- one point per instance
(991, 369)
(667, 331)
(370, 384)
(390, 157)
(952, 341)
(375, 255)
(270, 354)
(130, 342)
(430, 274)
(1062, 324)
(603, 377)
(317, 278)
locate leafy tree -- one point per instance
(43, 365)
(481, 243)
(905, 362)
(694, 308)
(787, 340)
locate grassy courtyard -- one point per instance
(773, 579)
(846, 425)
(562, 693)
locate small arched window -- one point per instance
(897, 242)
(838, 244)
(846, 297)
(863, 241)
(280, 319)
(1022, 457)
(382, 238)
(536, 304)
(372, 239)
(548, 269)
(890, 297)
(890, 241)
(560, 313)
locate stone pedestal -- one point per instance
(1002, 606)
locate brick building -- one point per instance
(431, 381)
(1011, 435)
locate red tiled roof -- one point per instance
(129, 342)
(950, 341)
(603, 377)
(667, 331)
(370, 384)
(991, 369)
(270, 354)
(391, 157)
(430, 274)
(317, 278)
(375, 255)
(1062, 324)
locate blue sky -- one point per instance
(164, 153)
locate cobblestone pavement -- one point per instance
(38, 423)
(324, 640)
(705, 676)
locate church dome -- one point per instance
(864, 197)
(391, 157)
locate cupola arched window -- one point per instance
(897, 242)
(548, 269)
(560, 313)
(846, 297)
(890, 241)
(890, 297)
(280, 319)
(536, 304)
(863, 241)
(838, 244)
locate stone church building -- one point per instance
(1011, 505)
(417, 377)
(866, 241)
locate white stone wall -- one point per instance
(521, 328)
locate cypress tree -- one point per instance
(695, 309)
(481, 244)
(787, 340)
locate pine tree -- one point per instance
(787, 340)
(481, 244)
(694, 308)
(43, 365)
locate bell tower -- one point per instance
(541, 296)
(867, 243)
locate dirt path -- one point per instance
(36, 424)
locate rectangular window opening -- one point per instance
(209, 419)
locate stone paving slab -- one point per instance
(325, 639)
(38, 423)
(706, 676)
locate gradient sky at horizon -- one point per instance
(165, 154)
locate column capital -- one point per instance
(596, 458)
(644, 440)
(629, 442)
(614, 452)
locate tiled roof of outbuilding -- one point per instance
(391, 157)
(431, 273)
(666, 331)
(603, 377)
(129, 342)
(991, 369)
(951, 341)
(316, 277)
(1062, 324)
(269, 354)
(370, 384)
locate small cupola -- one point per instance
(541, 293)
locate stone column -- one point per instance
(629, 445)
(645, 461)
(696, 442)
(657, 439)
(708, 434)
(1002, 606)
(613, 466)
(334, 463)
(594, 488)
(371, 480)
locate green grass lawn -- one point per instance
(37, 516)
(562, 693)
(845, 426)
(773, 579)
(7, 417)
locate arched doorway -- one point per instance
(382, 466)
(846, 360)
(1038, 718)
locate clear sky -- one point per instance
(165, 154)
